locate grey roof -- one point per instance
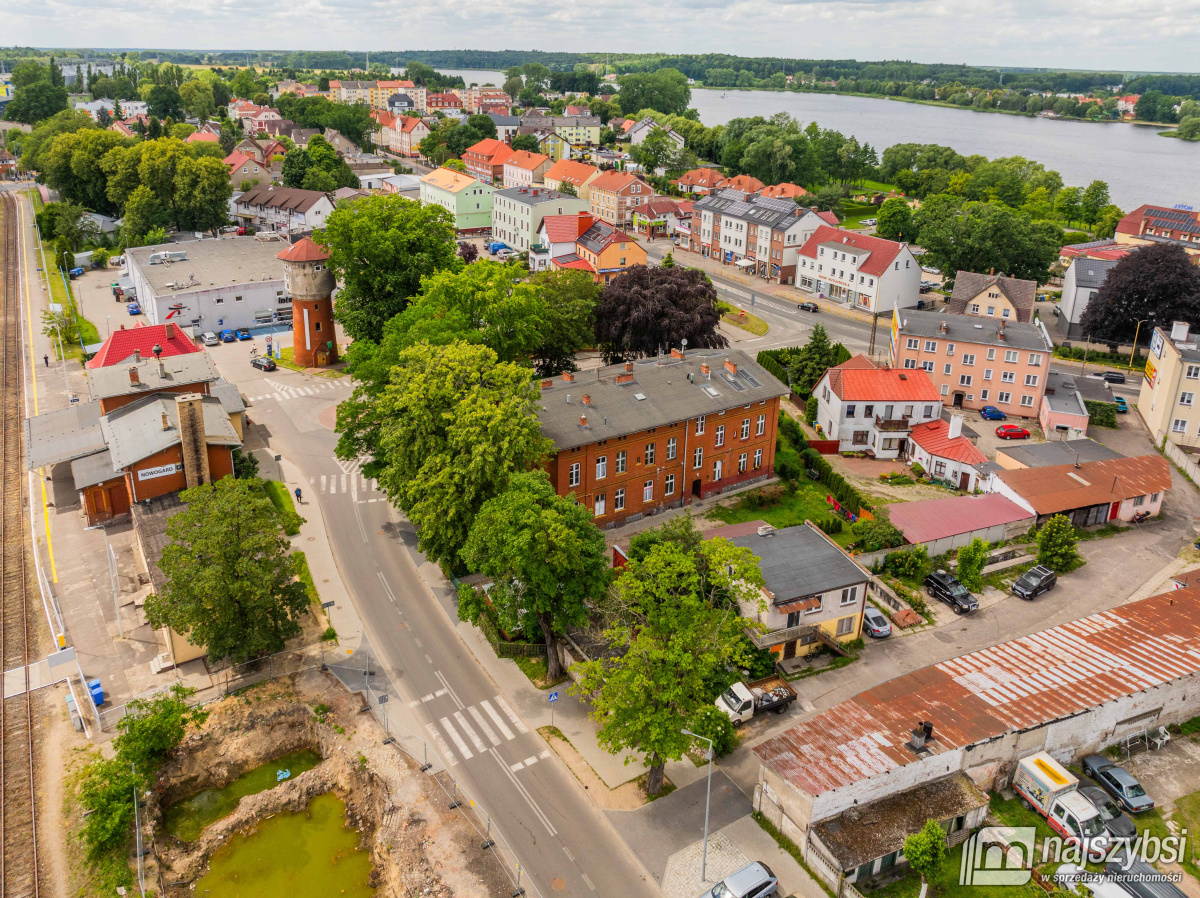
(532, 196)
(970, 329)
(227, 260)
(668, 396)
(562, 121)
(507, 121)
(760, 210)
(1062, 394)
(291, 198)
(93, 469)
(1059, 452)
(399, 98)
(153, 375)
(600, 236)
(1092, 272)
(799, 561)
(63, 435)
(150, 517)
(231, 399)
(136, 431)
(968, 284)
(1093, 389)
(404, 182)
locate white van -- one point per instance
(1076, 819)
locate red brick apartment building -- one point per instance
(637, 438)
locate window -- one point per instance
(968, 359)
(820, 602)
(1186, 398)
(1031, 380)
(931, 345)
(928, 366)
(1035, 359)
(720, 441)
(1154, 497)
(987, 373)
(849, 595)
(910, 363)
(602, 467)
(619, 500)
(1004, 398)
(845, 625)
(851, 410)
(621, 456)
(648, 491)
(700, 425)
(964, 380)
(745, 428)
(991, 310)
(698, 457)
(671, 443)
(237, 299)
(762, 425)
(860, 437)
(669, 485)
(949, 349)
(600, 505)
(928, 411)
(573, 475)
(913, 343)
(742, 463)
(649, 453)
(718, 470)
(991, 354)
(1010, 355)
(757, 459)
(945, 389)
(1193, 372)
(1139, 501)
(946, 368)
(983, 395)
(939, 469)
(1027, 400)
(974, 308)
(1008, 377)
(1179, 425)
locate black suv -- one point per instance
(946, 587)
(1035, 581)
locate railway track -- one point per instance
(18, 828)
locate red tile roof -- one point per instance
(934, 438)
(570, 171)
(410, 123)
(931, 519)
(526, 160)
(201, 137)
(121, 344)
(745, 183)
(700, 177)
(1177, 223)
(829, 217)
(495, 151)
(236, 159)
(304, 250)
(1066, 487)
(785, 191)
(573, 261)
(566, 228)
(857, 384)
(614, 181)
(882, 252)
(1016, 686)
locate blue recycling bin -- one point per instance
(97, 691)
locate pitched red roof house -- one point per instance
(829, 217)
(783, 191)
(744, 183)
(121, 344)
(201, 137)
(934, 437)
(121, 128)
(304, 250)
(854, 382)
(567, 228)
(699, 180)
(1158, 224)
(882, 252)
(486, 159)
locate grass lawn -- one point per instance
(877, 186)
(534, 667)
(856, 212)
(285, 360)
(1187, 814)
(306, 577)
(743, 319)
(807, 502)
(281, 497)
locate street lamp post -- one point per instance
(1136, 333)
(707, 799)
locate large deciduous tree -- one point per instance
(1156, 284)
(547, 557)
(380, 248)
(665, 90)
(230, 576)
(570, 299)
(646, 310)
(895, 220)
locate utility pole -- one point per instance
(874, 326)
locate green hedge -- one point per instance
(281, 497)
(1102, 414)
(847, 495)
(1079, 353)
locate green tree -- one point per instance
(164, 100)
(1056, 541)
(1106, 223)
(569, 298)
(925, 851)
(483, 124)
(814, 358)
(895, 220)
(1092, 201)
(1039, 204)
(36, 102)
(37, 144)
(665, 90)
(446, 433)
(244, 85)
(202, 192)
(675, 624)
(197, 98)
(971, 559)
(548, 559)
(143, 213)
(380, 249)
(319, 179)
(526, 142)
(230, 576)
(1069, 204)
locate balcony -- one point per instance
(538, 249)
(778, 637)
(893, 424)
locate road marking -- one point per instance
(278, 398)
(415, 703)
(427, 698)
(428, 660)
(515, 767)
(521, 728)
(471, 734)
(420, 644)
(343, 483)
(441, 744)
(588, 881)
(442, 679)
(567, 852)
(440, 693)
(482, 724)
(386, 587)
(322, 483)
(499, 721)
(524, 793)
(530, 761)
(309, 390)
(545, 754)
(448, 727)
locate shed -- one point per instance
(944, 524)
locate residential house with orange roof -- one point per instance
(201, 137)
(1090, 492)
(443, 102)
(467, 199)
(579, 175)
(615, 195)
(121, 128)
(874, 410)
(245, 171)
(942, 450)
(556, 237)
(411, 131)
(783, 191)
(524, 169)
(485, 160)
(866, 272)
(744, 183)
(604, 251)
(659, 217)
(699, 180)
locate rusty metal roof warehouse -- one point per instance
(1013, 686)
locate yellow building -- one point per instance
(1168, 398)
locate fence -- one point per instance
(825, 447)
(505, 649)
(1187, 463)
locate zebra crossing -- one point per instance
(476, 729)
(351, 481)
(326, 389)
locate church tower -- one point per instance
(309, 280)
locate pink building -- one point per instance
(1063, 414)
(975, 363)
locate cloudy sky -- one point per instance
(1121, 35)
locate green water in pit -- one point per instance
(307, 854)
(186, 819)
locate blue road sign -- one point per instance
(553, 696)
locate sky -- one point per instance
(1115, 35)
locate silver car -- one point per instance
(754, 880)
(208, 338)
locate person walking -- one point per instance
(46, 359)
(298, 500)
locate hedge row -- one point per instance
(1080, 353)
(847, 495)
(1102, 414)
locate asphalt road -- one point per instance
(563, 842)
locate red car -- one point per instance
(1012, 432)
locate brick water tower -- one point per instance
(309, 280)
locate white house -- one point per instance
(556, 237)
(874, 410)
(869, 273)
(288, 209)
(647, 126)
(940, 448)
(517, 212)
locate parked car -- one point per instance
(870, 222)
(242, 232)
(1119, 826)
(262, 363)
(876, 625)
(133, 309)
(1121, 404)
(243, 333)
(808, 307)
(1139, 879)
(208, 338)
(945, 588)
(1012, 432)
(1047, 787)
(1109, 377)
(1035, 581)
(929, 269)
(742, 701)
(754, 880)
(1118, 782)
(228, 336)
(991, 413)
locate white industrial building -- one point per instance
(229, 282)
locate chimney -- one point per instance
(166, 422)
(587, 400)
(731, 367)
(134, 379)
(169, 330)
(943, 327)
(628, 367)
(1179, 331)
(137, 356)
(705, 370)
(676, 353)
(624, 379)
(189, 408)
(583, 420)
(955, 427)
(1000, 334)
(568, 377)
(991, 271)
(547, 384)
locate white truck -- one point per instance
(1053, 791)
(742, 701)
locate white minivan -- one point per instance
(1077, 820)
